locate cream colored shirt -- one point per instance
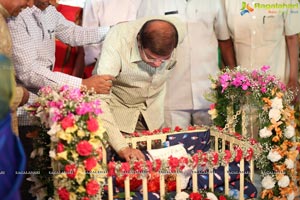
(197, 56)
(106, 13)
(259, 36)
(138, 88)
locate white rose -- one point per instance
(289, 163)
(265, 133)
(213, 113)
(284, 181)
(182, 196)
(268, 182)
(291, 196)
(213, 86)
(274, 156)
(289, 132)
(211, 196)
(277, 103)
(52, 154)
(275, 114)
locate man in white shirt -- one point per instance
(105, 13)
(263, 36)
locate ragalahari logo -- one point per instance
(246, 8)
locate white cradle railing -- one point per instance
(220, 142)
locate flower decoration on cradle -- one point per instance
(70, 117)
(274, 119)
(138, 169)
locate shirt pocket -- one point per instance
(273, 27)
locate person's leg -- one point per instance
(201, 117)
(181, 118)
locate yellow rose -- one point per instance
(80, 175)
(73, 196)
(80, 133)
(80, 189)
(74, 155)
(98, 173)
(72, 129)
(65, 136)
(62, 155)
(96, 143)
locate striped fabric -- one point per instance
(138, 88)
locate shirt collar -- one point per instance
(135, 53)
(4, 12)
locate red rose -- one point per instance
(215, 158)
(90, 163)
(63, 194)
(84, 148)
(239, 154)
(153, 182)
(222, 197)
(67, 122)
(92, 187)
(149, 166)
(171, 186)
(227, 156)
(177, 129)
(190, 128)
(60, 147)
(166, 130)
(92, 125)
(249, 154)
(195, 159)
(195, 196)
(111, 169)
(138, 166)
(125, 168)
(173, 163)
(85, 198)
(71, 170)
(158, 164)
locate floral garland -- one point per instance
(73, 130)
(137, 169)
(276, 123)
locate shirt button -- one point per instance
(253, 17)
(253, 32)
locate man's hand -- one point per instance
(101, 83)
(25, 96)
(129, 153)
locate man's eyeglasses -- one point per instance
(155, 60)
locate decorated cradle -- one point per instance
(224, 150)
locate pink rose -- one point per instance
(71, 170)
(60, 147)
(92, 125)
(92, 187)
(84, 148)
(90, 163)
(67, 122)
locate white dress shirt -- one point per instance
(106, 13)
(259, 35)
(197, 56)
